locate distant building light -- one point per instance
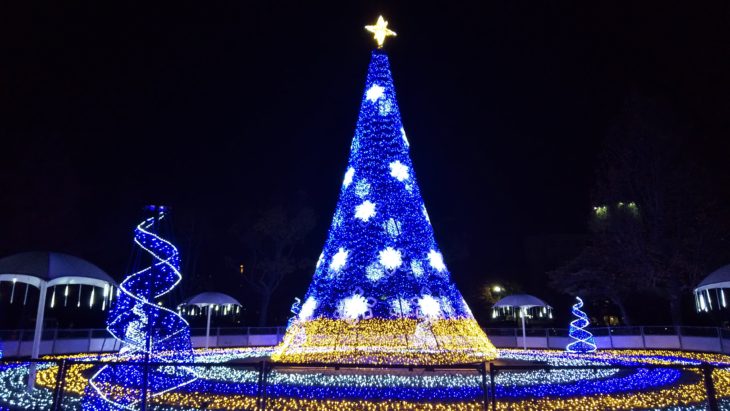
(601, 211)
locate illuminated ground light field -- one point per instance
(230, 386)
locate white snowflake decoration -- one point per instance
(400, 307)
(384, 107)
(374, 93)
(339, 260)
(365, 210)
(374, 272)
(392, 227)
(390, 258)
(436, 260)
(405, 139)
(429, 306)
(337, 219)
(399, 171)
(348, 177)
(447, 307)
(362, 188)
(307, 309)
(416, 268)
(354, 307)
(425, 213)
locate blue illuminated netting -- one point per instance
(629, 381)
(380, 259)
(147, 330)
(584, 341)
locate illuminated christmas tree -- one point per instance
(584, 341)
(150, 333)
(381, 292)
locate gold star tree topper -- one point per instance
(380, 31)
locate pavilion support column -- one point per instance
(523, 313)
(207, 328)
(40, 314)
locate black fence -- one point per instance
(492, 395)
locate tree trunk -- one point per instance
(622, 309)
(264, 309)
(675, 308)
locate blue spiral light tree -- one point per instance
(584, 341)
(150, 332)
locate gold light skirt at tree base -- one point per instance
(385, 341)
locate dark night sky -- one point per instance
(220, 108)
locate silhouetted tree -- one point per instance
(598, 273)
(653, 221)
(494, 289)
(271, 246)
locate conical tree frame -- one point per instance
(381, 292)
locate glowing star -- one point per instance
(400, 307)
(390, 258)
(416, 268)
(374, 272)
(380, 31)
(436, 260)
(353, 307)
(307, 309)
(348, 177)
(339, 260)
(405, 139)
(429, 306)
(399, 171)
(362, 188)
(374, 93)
(365, 210)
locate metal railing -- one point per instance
(617, 331)
(17, 343)
(487, 392)
(710, 339)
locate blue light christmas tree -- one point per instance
(150, 333)
(583, 339)
(381, 291)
